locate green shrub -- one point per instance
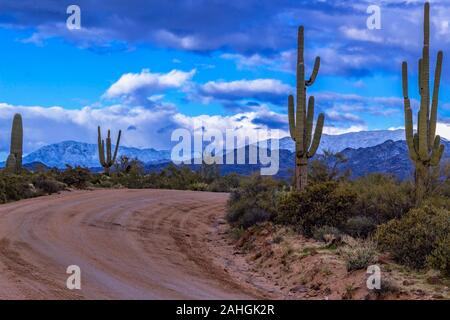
(382, 197)
(358, 254)
(439, 258)
(321, 204)
(225, 183)
(76, 177)
(253, 202)
(47, 184)
(359, 226)
(198, 186)
(16, 187)
(417, 237)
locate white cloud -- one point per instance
(252, 86)
(340, 130)
(152, 128)
(360, 34)
(443, 129)
(137, 87)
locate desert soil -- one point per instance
(129, 244)
(167, 244)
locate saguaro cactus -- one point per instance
(301, 121)
(425, 148)
(14, 161)
(108, 160)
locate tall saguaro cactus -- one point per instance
(107, 160)
(425, 148)
(14, 161)
(301, 120)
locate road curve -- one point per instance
(129, 244)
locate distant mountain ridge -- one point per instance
(364, 151)
(361, 139)
(86, 155)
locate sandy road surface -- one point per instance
(129, 244)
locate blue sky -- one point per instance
(149, 67)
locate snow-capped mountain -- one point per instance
(86, 155)
(355, 140)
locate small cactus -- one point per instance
(108, 160)
(425, 148)
(14, 161)
(301, 121)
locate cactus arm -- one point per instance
(108, 148)
(309, 122)
(291, 114)
(317, 136)
(416, 143)
(437, 152)
(314, 73)
(405, 79)
(434, 103)
(103, 160)
(101, 148)
(409, 131)
(117, 147)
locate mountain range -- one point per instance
(86, 155)
(366, 152)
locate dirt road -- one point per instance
(129, 244)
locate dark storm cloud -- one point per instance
(335, 29)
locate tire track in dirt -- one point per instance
(129, 244)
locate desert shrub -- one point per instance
(320, 204)
(173, 177)
(358, 254)
(417, 237)
(225, 183)
(15, 187)
(76, 177)
(320, 233)
(253, 202)
(382, 197)
(359, 226)
(198, 186)
(439, 258)
(47, 184)
(438, 201)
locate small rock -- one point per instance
(437, 296)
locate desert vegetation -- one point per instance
(368, 217)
